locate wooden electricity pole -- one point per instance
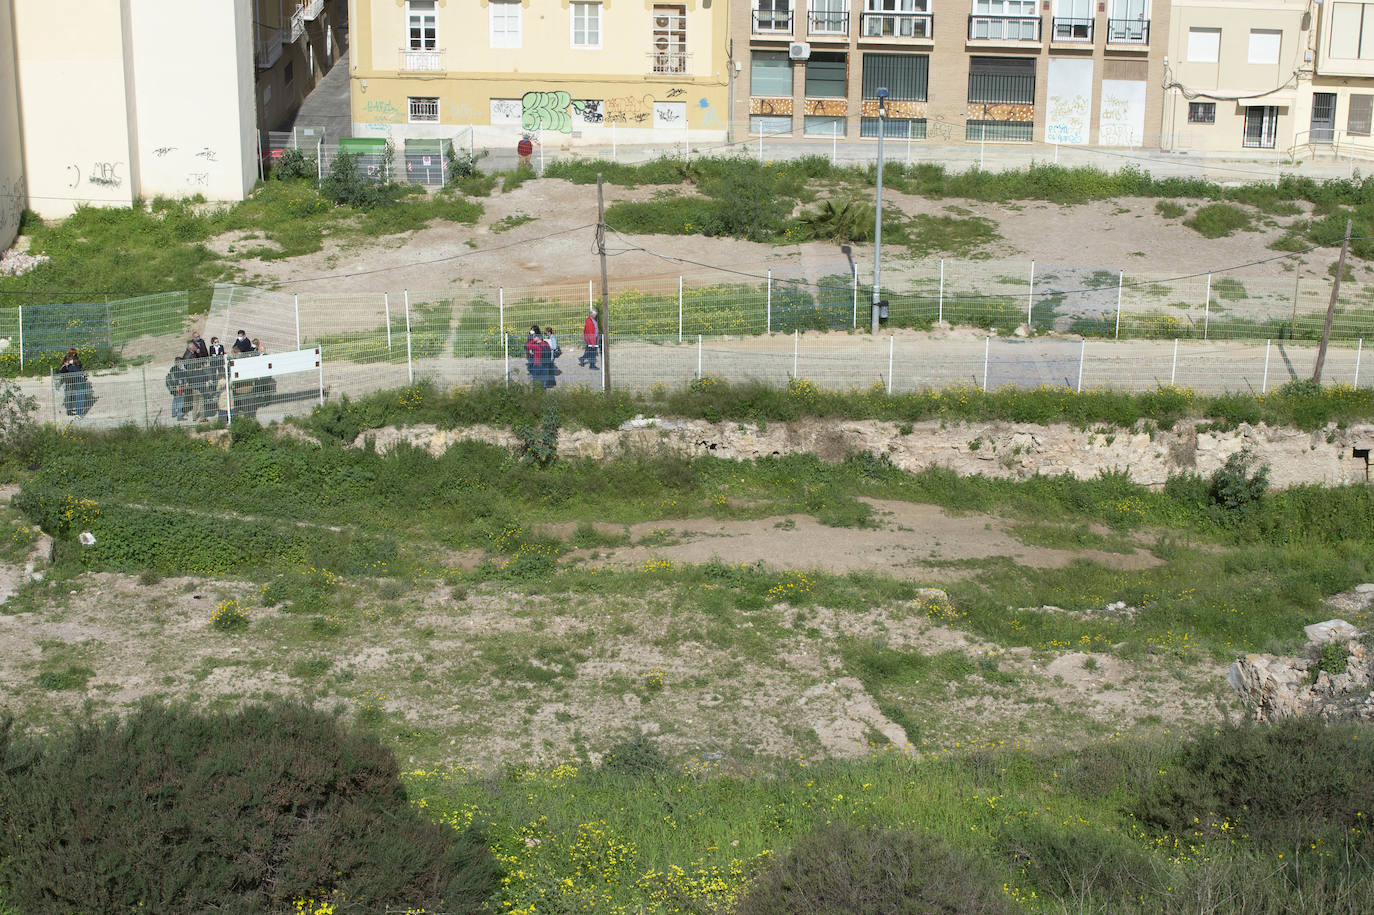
(604, 314)
(1331, 308)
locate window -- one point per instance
(421, 29)
(505, 23)
(1001, 81)
(770, 125)
(815, 125)
(586, 25)
(1264, 46)
(424, 110)
(1128, 22)
(904, 76)
(829, 17)
(772, 15)
(1073, 20)
(897, 19)
(288, 73)
(267, 98)
(1005, 20)
(1261, 126)
(506, 112)
(1352, 31)
(1022, 131)
(1361, 110)
(1204, 45)
(1202, 112)
(915, 128)
(825, 75)
(669, 39)
(770, 73)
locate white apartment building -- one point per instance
(13, 196)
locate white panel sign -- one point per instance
(1122, 121)
(306, 360)
(670, 114)
(1068, 108)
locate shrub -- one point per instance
(176, 811)
(1077, 863)
(1292, 781)
(846, 869)
(638, 756)
(539, 443)
(294, 164)
(1238, 486)
(1217, 220)
(1170, 210)
(229, 617)
(346, 183)
(17, 412)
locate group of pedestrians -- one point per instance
(542, 351)
(197, 384)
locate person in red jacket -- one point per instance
(591, 336)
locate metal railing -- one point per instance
(311, 9)
(1072, 29)
(898, 25)
(269, 51)
(1004, 28)
(827, 22)
(668, 61)
(298, 23)
(770, 21)
(421, 60)
(1128, 31)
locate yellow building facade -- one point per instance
(560, 70)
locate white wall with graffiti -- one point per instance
(13, 195)
(117, 102)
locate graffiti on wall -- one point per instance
(1121, 119)
(559, 111)
(776, 106)
(105, 174)
(384, 111)
(1068, 106)
(709, 118)
(13, 197)
(630, 109)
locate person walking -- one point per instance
(76, 389)
(591, 336)
(176, 382)
(535, 356)
(554, 350)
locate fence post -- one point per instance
(52, 394)
(1082, 354)
(1359, 348)
(1120, 279)
(500, 307)
(982, 140)
(147, 419)
(770, 302)
(1207, 307)
(987, 342)
(795, 339)
(613, 155)
(386, 306)
(698, 357)
(297, 300)
(854, 269)
(760, 145)
(319, 160)
(891, 345)
(679, 308)
(320, 350)
(941, 318)
(262, 175)
(834, 144)
(410, 366)
(1030, 297)
(505, 349)
(21, 338)
(539, 140)
(1264, 385)
(1173, 368)
(228, 392)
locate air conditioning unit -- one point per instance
(799, 50)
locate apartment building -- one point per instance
(1341, 109)
(1239, 75)
(295, 43)
(115, 104)
(1053, 71)
(567, 70)
(13, 192)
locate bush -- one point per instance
(638, 756)
(1238, 486)
(1217, 220)
(295, 164)
(180, 812)
(1293, 781)
(845, 869)
(1072, 864)
(346, 184)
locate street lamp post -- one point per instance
(878, 214)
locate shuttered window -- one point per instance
(1001, 81)
(770, 73)
(825, 76)
(1361, 109)
(905, 76)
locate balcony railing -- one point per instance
(668, 61)
(898, 25)
(766, 21)
(1004, 28)
(297, 24)
(827, 23)
(421, 60)
(1073, 29)
(311, 9)
(269, 50)
(1128, 31)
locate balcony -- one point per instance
(827, 23)
(297, 24)
(1004, 28)
(269, 50)
(1078, 30)
(311, 9)
(667, 62)
(1128, 31)
(421, 60)
(898, 25)
(772, 22)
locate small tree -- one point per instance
(17, 412)
(349, 185)
(1239, 485)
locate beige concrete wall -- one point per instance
(617, 77)
(117, 104)
(13, 188)
(1233, 75)
(947, 109)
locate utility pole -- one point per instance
(1331, 308)
(1293, 324)
(604, 314)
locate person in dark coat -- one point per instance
(178, 385)
(216, 348)
(534, 355)
(242, 345)
(76, 387)
(198, 345)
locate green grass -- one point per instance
(1218, 220)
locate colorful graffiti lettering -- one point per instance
(546, 111)
(384, 111)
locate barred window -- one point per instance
(1202, 112)
(424, 109)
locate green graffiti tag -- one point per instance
(546, 111)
